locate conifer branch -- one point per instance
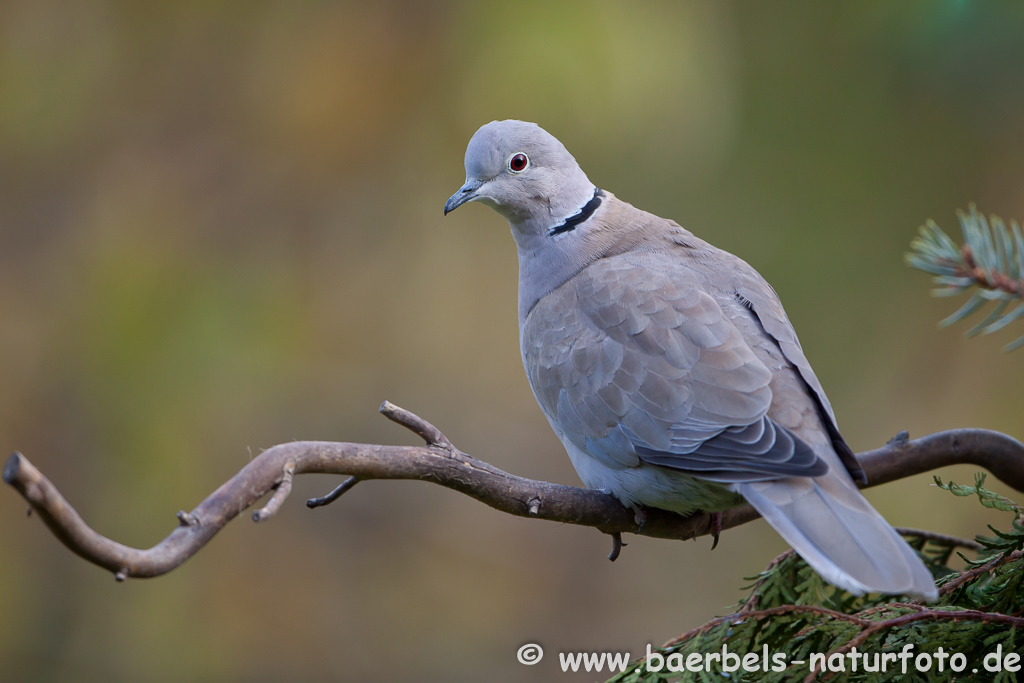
(991, 261)
(821, 630)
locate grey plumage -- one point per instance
(668, 368)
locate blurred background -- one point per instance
(221, 228)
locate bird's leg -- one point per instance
(716, 527)
(640, 517)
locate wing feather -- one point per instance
(635, 363)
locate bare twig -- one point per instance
(940, 539)
(416, 424)
(893, 606)
(1000, 454)
(974, 572)
(440, 462)
(184, 518)
(340, 490)
(277, 500)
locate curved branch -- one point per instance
(440, 462)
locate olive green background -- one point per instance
(221, 228)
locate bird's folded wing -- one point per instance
(635, 364)
(764, 303)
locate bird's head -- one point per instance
(524, 173)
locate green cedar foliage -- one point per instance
(791, 610)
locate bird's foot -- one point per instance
(640, 517)
(716, 527)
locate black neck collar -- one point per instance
(586, 212)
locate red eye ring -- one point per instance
(518, 162)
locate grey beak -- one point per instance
(466, 193)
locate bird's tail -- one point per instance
(834, 528)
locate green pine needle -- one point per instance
(990, 261)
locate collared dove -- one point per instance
(668, 368)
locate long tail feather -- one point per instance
(834, 528)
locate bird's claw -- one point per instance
(617, 546)
(716, 527)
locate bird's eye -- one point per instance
(518, 162)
